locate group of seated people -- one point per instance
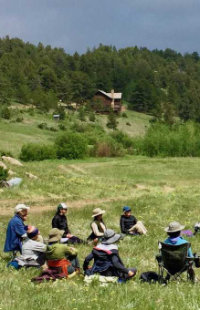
(59, 259)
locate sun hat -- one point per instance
(97, 211)
(55, 235)
(19, 207)
(32, 232)
(110, 237)
(174, 227)
(61, 206)
(126, 209)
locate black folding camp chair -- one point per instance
(173, 261)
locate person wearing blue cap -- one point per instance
(129, 224)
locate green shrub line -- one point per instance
(162, 140)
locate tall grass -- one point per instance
(164, 140)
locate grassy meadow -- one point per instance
(159, 190)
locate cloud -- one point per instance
(78, 24)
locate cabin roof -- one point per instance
(111, 95)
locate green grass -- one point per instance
(158, 190)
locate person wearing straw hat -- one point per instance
(97, 226)
(107, 261)
(61, 255)
(16, 230)
(60, 221)
(174, 232)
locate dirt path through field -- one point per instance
(48, 207)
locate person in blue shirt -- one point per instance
(174, 233)
(16, 230)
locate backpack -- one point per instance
(149, 276)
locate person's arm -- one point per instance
(87, 261)
(67, 230)
(55, 222)
(118, 264)
(20, 229)
(122, 225)
(96, 230)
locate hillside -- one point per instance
(14, 134)
(153, 82)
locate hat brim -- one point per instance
(102, 212)
(174, 230)
(57, 237)
(113, 239)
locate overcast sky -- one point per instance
(76, 25)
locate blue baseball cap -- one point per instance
(126, 209)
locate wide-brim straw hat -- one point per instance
(174, 227)
(55, 235)
(97, 211)
(110, 237)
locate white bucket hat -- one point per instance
(21, 206)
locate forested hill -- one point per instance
(151, 81)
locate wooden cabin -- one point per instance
(105, 102)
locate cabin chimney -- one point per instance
(113, 98)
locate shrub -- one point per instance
(124, 115)
(43, 126)
(128, 124)
(52, 129)
(122, 138)
(71, 146)
(5, 113)
(19, 119)
(33, 151)
(3, 174)
(112, 121)
(175, 140)
(108, 148)
(61, 127)
(92, 117)
(81, 114)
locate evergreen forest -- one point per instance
(157, 82)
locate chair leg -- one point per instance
(191, 274)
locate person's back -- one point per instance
(174, 231)
(57, 251)
(106, 258)
(32, 248)
(15, 230)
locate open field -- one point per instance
(158, 190)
